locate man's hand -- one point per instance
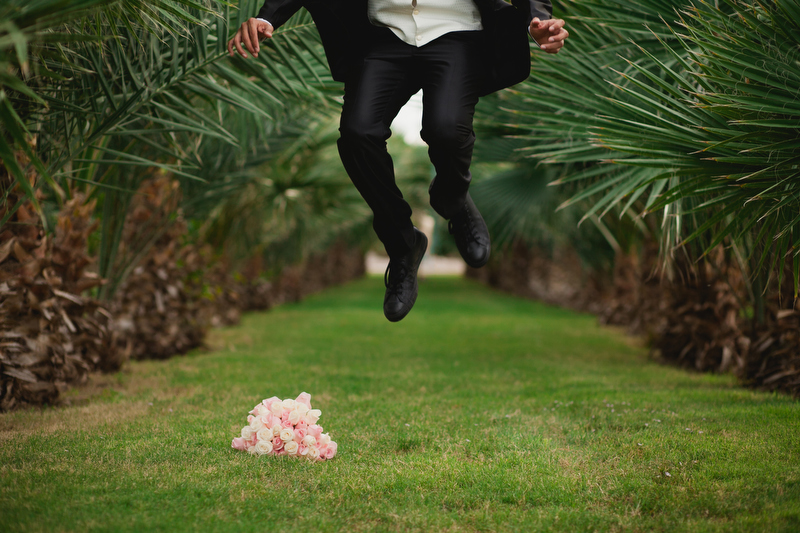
(250, 33)
(549, 34)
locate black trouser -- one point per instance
(449, 74)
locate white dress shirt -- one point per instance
(418, 22)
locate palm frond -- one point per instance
(685, 109)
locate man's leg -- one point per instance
(451, 83)
(373, 97)
(451, 71)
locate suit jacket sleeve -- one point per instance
(279, 11)
(535, 8)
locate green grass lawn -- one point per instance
(478, 412)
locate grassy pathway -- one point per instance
(478, 412)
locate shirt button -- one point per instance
(416, 11)
(419, 37)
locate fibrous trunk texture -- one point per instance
(700, 317)
(51, 334)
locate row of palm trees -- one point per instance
(100, 94)
(669, 119)
(676, 121)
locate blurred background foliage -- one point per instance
(647, 173)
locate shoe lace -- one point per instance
(396, 272)
(463, 222)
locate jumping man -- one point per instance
(385, 51)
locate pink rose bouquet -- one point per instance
(286, 427)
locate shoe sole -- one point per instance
(401, 316)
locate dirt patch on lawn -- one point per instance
(105, 398)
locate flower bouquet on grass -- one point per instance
(286, 427)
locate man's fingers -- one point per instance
(548, 33)
(250, 33)
(264, 29)
(252, 28)
(246, 38)
(553, 48)
(560, 36)
(237, 42)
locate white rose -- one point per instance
(287, 435)
(263, 447)
(291, 447)
(313, 452)
(324, 439)
(312, 416)
(301, 408)
(294, 418)
(264, 434)
(288, 404)
(310, 440)
(276, 408)
(261, 410)
(247, 433)
(276, 430)
(256, 423)
(251, 450)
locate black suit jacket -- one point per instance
(346, 32)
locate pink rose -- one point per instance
(285, 416)
(302, 450)
(277, 445)
(267, 419)
(315, 431)
(276, 408)
(285, 424)
(250, 418)
(299, 434)
(305, 399)
(238, 444)
(269, 401)
(330, 450)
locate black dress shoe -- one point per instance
(401, 280)
(471, 235)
